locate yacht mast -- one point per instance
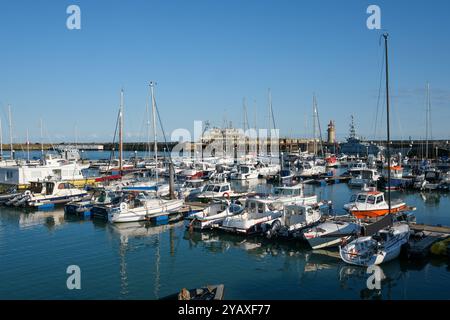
(42, 137)
(121, 132)
(147, 113)
(155, 143)
(28, 147)
(10, 133)
(388, 148)
(314, 125)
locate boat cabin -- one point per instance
(218, 187)
(260, 206)
(288, 191)
(371, 197)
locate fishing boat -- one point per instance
(294, 218)
(365, 177)
(213, 215)
(372, 204)
(256, 216)
(143, 207)
(193, 187)
(382, 247)
(308, 169)
(103, 197)
(356, 168)
(331, 233)
(245, 172)
(217, 190)
(48, 193)
(292, 195)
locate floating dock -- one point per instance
(419, 247)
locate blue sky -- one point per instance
(207, 55)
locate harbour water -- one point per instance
(141, 261)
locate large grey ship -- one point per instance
(355, 146)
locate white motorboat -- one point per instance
(331, 233)
(213, 215)
(49, 193)
(365, 177)
(193, 187)
(309, 169)
(356, 168)
(217, 191)
(257, 215)
(292, 195)
(143, 207)
(245, 172)
(382, 247)
(294, 218)
(267, 169)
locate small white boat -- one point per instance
(213, 215)
(291, 195)
(365, 177)
(331, 233)
(193, 187)
(256, 216)
(142, 208)
(382, 247)
(294, 218)
(245, 172)
(217, 191)
(309, 169)
(49, 193)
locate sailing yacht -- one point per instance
(382, 247)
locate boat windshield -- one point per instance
(371, 200)
(210, 187)
(245, 169)
(353, 198)
(361, 198)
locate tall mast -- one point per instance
(10, 133)
(28, 147)
(427, 120)
(314, 125)
(155, 143)
(42, 137)
(147, 112)
(388, 149)
(121, 132)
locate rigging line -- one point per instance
(163, 132)
(379, 95)
(114, 141)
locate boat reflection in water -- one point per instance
(141, 230)
(50, 219)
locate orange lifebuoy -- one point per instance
(226, 195)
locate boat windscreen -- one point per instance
(361, 198)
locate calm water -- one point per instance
(137, 261)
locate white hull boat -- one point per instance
(382, 247)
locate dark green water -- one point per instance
(135, 261)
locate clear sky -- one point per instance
(207, 55)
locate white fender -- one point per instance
(123, 206)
